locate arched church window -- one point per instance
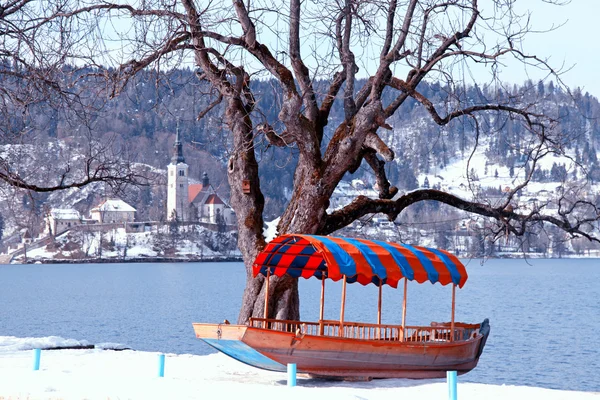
(181, 172)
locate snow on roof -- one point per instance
(113, 205)
(358, 184)
(65, 213)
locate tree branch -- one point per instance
(212, 105)
(362, 206)
(386, 191)
(302, 75)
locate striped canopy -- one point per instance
(363, 261)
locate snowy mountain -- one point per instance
(473, 163)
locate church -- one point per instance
(193, 203)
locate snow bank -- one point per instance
(11, 344)
(101, 374)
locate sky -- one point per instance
(575, 44)
(572, 46)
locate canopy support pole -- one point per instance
(266, 311)
(322, 310)
(343, 306)
(379, 311)
(402, 336)
(453, 307)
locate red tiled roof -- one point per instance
(214, 199)
(193, 191)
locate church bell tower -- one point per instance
(177, 180)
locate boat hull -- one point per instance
(330, 356)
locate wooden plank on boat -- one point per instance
(219, 331)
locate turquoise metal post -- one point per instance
(36, 359)
(451, 376)
(161, 365)
(291, 368)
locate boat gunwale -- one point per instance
(297, 329)
(383, 342)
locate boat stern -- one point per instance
(228, 339)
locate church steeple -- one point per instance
(177, 149)
(177, 190)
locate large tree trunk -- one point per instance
(303, 214)
(306, 213)
(248, 207)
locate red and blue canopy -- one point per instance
(363, 261)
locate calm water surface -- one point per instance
(545, 315)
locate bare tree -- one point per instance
(39, 82)
(315, 53)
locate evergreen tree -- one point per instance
(540, 89)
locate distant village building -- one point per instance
(113, 211)
(26, 237)
(193, 203)
(207, 206)
(62, 219)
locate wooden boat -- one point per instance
(339, 348)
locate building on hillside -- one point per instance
(113, 211)
(196, 202)
(207, 206)
(62, 219)
(26, 237)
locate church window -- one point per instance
(181, 173)
(181, 185)
(171, 173)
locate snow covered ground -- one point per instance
(107, 374)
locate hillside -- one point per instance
(473, 162)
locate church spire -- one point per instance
(177, 149)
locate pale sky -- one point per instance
(575, 44)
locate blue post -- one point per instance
(291, 369)
(452, 384)
(161, 365)
(36, 359)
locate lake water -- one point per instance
(544, 316)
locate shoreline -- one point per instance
(130, 260)
(237, 259)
